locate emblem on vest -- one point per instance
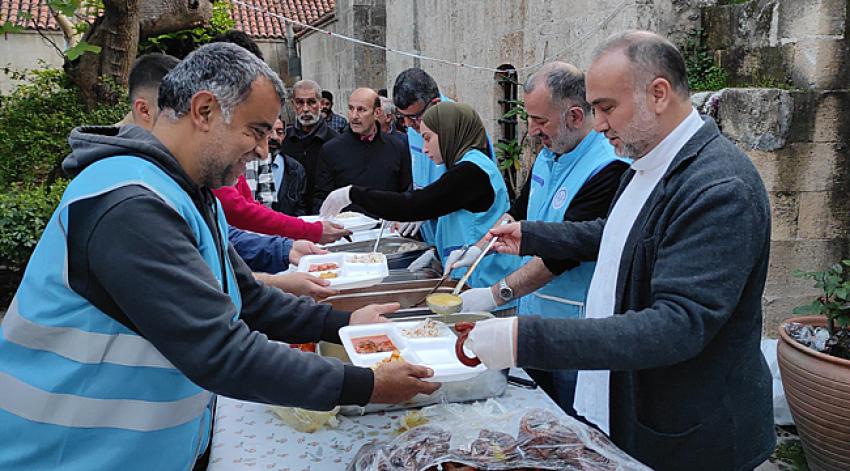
(559, 199)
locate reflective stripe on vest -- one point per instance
(71, 410)
(70, 374)
(79, 345)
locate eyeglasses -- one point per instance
(418, 116)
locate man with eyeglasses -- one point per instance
(305, 138)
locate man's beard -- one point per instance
(307, 119)
(274, 146)
(567, 138)
(641, 132)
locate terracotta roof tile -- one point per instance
(260, 25)
(37, 9)
(255, 23)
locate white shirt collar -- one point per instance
(666, 150)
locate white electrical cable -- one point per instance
(619, 8)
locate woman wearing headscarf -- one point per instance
(466, 201)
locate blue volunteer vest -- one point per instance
(463, 227)
(79, 390)
(554, 184)
(426, 172)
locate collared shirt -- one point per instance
(258, 175)
(337, 122)
(591, 399)
(278, 169)
(368, 137)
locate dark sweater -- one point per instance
(131, 255)
(592, 201)
(690, 388)
(464, 186)
(305, 148)
(381, 164)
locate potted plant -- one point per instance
(814, 359)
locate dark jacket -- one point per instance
(133, 257)
(305, 149)
(689, 388)
(290, 195)
(261, 252)
(381, 164)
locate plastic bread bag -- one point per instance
(307, 421)
(485, 436)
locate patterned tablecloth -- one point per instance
(250, 436)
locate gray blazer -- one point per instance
(689, 386)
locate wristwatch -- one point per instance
(505, 291)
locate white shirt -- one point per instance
(591, 399)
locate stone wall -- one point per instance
(340, 66)
(277, 56)
(797, 138)
(797, 141)
(27, 50)
(797, 42)
(491, 33)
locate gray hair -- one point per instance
(387, 106)
(308, 84)
(565, 83)
(224, 69)
(651, 55)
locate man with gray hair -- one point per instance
(114, 357)
(387, 119)
(305, 138)
(574, 178)
(674, 306)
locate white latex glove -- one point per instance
(408, 229)
(422, 261)
(493, 342)
(478, 300)
(336, 201)
(454, 260)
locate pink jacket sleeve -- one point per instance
(244, 212)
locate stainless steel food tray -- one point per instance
(408, 294)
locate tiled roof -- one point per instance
(255, 23)
(259, 25)
(38, 9)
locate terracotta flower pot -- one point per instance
(817, 387)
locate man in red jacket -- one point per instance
(244, 212)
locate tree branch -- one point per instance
(50, 41)
(67, 28)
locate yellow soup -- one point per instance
(444, 300)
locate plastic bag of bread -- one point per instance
(485, 436)
(304, 420)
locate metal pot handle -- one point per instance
(463, 329)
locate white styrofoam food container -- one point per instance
(437, 353)
(349, 274)
(349, 220)
(367, 234)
